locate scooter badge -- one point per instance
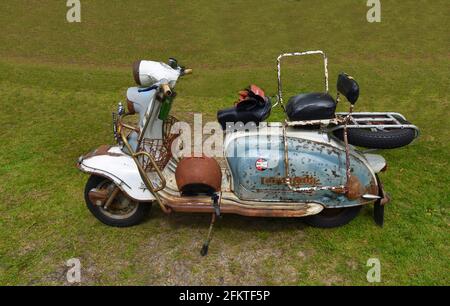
(261, 164)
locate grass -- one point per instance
(59, 83)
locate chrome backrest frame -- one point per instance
(325, 65)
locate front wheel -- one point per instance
(122, 212)
(333, 217)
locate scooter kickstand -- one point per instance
(214, 215)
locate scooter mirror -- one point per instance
(173, 63)
(348, 87)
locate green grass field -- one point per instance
(60, 81)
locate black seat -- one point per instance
(311, 106)
(250, 110)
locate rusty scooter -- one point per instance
(310, 166)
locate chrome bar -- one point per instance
(375, 119)
(325, 64)
(373, 114)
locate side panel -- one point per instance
(257, 164)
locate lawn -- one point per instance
(60, 81)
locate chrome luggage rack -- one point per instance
(375, 121)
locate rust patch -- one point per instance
(386, 198)
(372, 188)
(102, 150)
(354, 188)
(130, 106)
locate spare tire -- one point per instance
(379, 139)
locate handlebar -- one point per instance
(165, 87)
(166, 90)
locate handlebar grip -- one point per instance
(188, 71)
(166, 89)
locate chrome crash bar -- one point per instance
(135, 156)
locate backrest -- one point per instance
(348, 87)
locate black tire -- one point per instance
(387, 139)
(390, 139)
(333, 217)
(135, 216)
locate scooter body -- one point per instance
(275, 169)
(315, 159)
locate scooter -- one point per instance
(308, 166)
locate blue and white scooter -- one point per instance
(307, 166)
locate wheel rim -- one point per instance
(121, 207)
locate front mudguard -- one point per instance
(110, 162)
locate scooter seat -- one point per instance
(311, 106)
(253, 107)
(250, 110)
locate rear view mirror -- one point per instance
(173, 63)
(348, 87)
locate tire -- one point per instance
(387, 139)
(137, 211)
(378, 140)
(333, 217)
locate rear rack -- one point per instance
(376, 120)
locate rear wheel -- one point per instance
(122, 212)
(333, 217)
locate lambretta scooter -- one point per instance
(307, 166)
